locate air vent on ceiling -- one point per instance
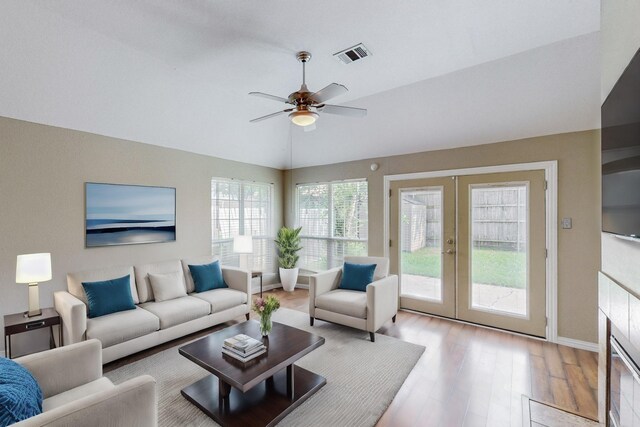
(352, 54)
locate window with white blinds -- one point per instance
(334, 221)
(242, 208)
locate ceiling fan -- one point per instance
(306, 104)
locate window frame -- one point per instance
(330, 239)
(268, 264)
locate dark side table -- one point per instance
(258, 274)
(18, 323)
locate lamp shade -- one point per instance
(243, 245)
(33, 268)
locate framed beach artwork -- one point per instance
(117, 214)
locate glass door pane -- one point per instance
(499, 248)
(422, 247)
(421, 243)
(501, 268)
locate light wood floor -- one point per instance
(469, 376)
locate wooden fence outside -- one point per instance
(499, 218)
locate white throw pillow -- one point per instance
(167, 286)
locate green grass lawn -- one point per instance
(490, 266)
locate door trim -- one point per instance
(551, 212)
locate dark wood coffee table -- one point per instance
(260, 392)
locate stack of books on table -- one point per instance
(243, 347)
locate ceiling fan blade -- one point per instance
(342, 111)
(271, 97)
(309, 128)
(268, 116)
(329, 92)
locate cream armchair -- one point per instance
(76, 393)
(368, 310)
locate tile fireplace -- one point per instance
(619, 360)
(624, 388)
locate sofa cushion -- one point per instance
(167, 286)
(145, 292)
(20, 394)
(349, 303)
(207, 259)
(108, 296)
(222, 299)
(356, 277)
(74, 280)
(207, 277)
(74, 394)
(123, 326)
(177, 311)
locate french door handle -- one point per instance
(449, 251)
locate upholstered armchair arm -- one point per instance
(73, 313)
(382, 302)
(322, 283)
(64, 368)
(132, 403)
(237, 279)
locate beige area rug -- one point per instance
(362, 377)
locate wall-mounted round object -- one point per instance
(374, 166)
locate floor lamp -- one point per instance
(243, 245)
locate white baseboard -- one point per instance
(255, 290)
(569, 342)
(582, 345)
(2, 353)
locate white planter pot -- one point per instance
(288, 278)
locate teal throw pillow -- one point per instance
(108, 296)
(356, 277)
(207, 277)
(20, 394)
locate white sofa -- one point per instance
(76, 394)
(151, 323)
(368, 310)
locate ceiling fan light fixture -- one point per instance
(303, 118)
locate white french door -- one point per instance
(472, 248)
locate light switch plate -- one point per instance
(566, 223)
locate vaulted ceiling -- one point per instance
(177, 74)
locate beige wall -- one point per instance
(43, 170)
(620, 39)
(42, 174)
(578, 156)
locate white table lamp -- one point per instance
(32, 269)
(243, 245)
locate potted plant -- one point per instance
(288, 244)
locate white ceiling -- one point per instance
(176, 74)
